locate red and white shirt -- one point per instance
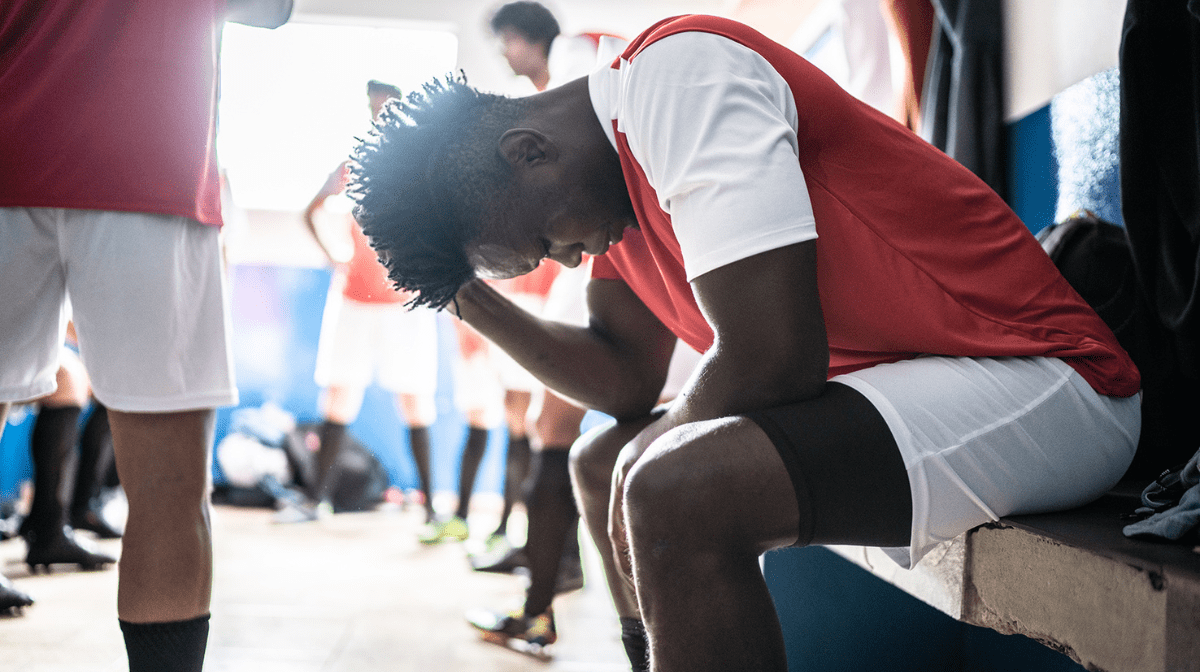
(733, 145)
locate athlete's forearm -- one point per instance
(729, 382)
(585, 364)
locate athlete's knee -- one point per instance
(162, 457)
(516, 411)
(73, 385)
(676, 501)
(592, 458)
(420, 410)
(559, 429)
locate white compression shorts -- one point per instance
(148, 297)
(984, 438)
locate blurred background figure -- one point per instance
(480, 397)
(367, 334)
(66, 483)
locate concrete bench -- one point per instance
(1071, 581)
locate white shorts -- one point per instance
(149, 299)
(477, 390)
(986, 438)
(385, 343)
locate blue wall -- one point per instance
(1032, 170)
(15, 466)
(837, 616)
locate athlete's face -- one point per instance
(527, 59)
(560, 213)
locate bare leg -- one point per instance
(558, 421)
(593, 458)
(166, 557)
(708, 498)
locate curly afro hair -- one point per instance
(426, 179)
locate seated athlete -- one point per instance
(890, 358)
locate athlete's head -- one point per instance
(454, 183)
(424, 180)
(526, 30)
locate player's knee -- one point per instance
(556, 429)
(592, 458)
(420, 410)
(672, 500)
(73, 385)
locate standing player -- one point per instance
(367, 334)
(109, 193)
(534, 48)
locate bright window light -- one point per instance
(294, 99)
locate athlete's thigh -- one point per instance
(983, 438)
(844, 467)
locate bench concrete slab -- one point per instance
(1070, 580)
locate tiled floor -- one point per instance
(355, 593)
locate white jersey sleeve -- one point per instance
(713, 126)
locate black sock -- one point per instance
(637, 646)
(472, 455)
(95, 455)
(332, 435)
(54, 434)
(176, 646)
(550, 504)
(516, 469)
(418, 442)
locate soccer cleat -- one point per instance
(454, 528)
(62, 547)
(538, 631)
(497, 543)
(12, 601)
(504, 559)
(292, 511)
(93, 520)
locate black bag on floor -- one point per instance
(361, 477)
(1095, 258)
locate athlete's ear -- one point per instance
(527, 147)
